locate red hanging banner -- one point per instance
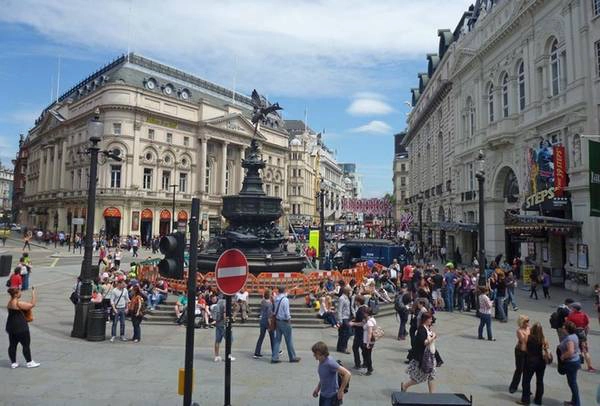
(560, 170)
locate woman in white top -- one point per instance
(368, 341)
(485, 314)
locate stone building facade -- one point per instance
(6, 193)
(401, 178)
(178, 134)
(524, 83)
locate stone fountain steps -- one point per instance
(302, 316)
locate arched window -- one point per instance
(555, 68)
(521, 83)
(470, 118)
(491, 103)
(207, 177)
(505, 95)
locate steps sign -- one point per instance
(231, 271)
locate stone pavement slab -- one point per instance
(78, 372)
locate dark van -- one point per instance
(381, 251)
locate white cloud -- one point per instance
(374, 127)
(369, 107)
(288, 47)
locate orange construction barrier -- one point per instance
(295, 282)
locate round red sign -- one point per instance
(231, 271)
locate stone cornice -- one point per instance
(435, 100)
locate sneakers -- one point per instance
(136, 341)
(124, 338)
(231, 358)
(591, 369)
(297, 359)
(218, 359)
(33, 364)
(257, 356)
(112, 339)
(14, 365)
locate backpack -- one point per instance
(339, 379)
(378, 333)
(555, 320)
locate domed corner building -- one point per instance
(518, 81)
(177, 134)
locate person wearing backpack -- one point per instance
(557, 319)
(329, 390)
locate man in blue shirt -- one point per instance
(450, 280)
(331, 392)
(283, 327)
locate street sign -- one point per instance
(231, 271)
(77, 221)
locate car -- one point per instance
(15, 227)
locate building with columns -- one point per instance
(524, 88)
(6, 193)
(401, 177)
(178, 135)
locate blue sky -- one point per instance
(349, 63)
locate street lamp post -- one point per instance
(174, 186)
(480, 175)
(96, 130)
(321, 196)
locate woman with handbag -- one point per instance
(537, 359)
(134, 308)
(17, 327)
(422, 358)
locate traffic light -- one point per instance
(173, 247)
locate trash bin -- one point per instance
(96, 325)
(5, 264)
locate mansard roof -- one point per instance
(433, 61)
(423, 80)
(446, 38)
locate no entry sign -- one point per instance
(231, 271)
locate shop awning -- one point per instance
(539, 224)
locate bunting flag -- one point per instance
(377, 207)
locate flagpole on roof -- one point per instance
(58, 81)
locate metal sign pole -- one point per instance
(228, 323)
(191, 314)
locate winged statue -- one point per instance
(262, 108)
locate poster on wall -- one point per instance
(135, 220)
(572, 255)
(547, 176)
(582, 256)
(594, 178)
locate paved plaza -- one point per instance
(78, 372)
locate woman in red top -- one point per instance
(582, 322)
(16, 280)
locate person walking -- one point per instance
(135, 312)
(119, 299)
(27, 240)
(535, 278)
(569, 360)
(328, 390)
(520, 352)
(450, 282)
(17, 327)
(537, 347)
(343, 317)
(283, 328)
(358, 323)
(117, 258)
(16, 280)
(266, 311)
(501, 308)
(368, 341)
(546, 284)
(582, 323)
(421, 367)
(485, 314)
(511, 284)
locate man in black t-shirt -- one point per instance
(357, 325)
(436, 291)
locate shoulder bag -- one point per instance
(28, 314)
(547, 355)
(273, 319)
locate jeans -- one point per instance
(264, 324)
(500, 310)
(120, 316)
(485, 320)
(538, 369)
(283, 330)
(533, 291)
(402, 329)
(137, 331)
(329, 318)
(344, 333)
(463, 299)
(511, 297)
(25, 281)
(450, 299)
(571, 368)
(356, 347)
(367, 352)
(332, 401)
(520, 358)
(156, 299)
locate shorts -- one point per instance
(436, 294)
(220, 334)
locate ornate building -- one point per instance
(6, 193)
(401, 175)
(20, 175)
(179, 135)
(523, 87)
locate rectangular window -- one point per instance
(147, 184)
(115, 176)
(597, 44)
(73, 179)
(183, 182)
(299, 173)
(276, 191)
(166, 180)
(151, 133)
(186, 141)
(402, 181)
(268, 190)
(169, 138)
(402, 167)
(294, 191)
(278, 161)
(402, 194)
(471, 178)
(117, 128)
(596, 7)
